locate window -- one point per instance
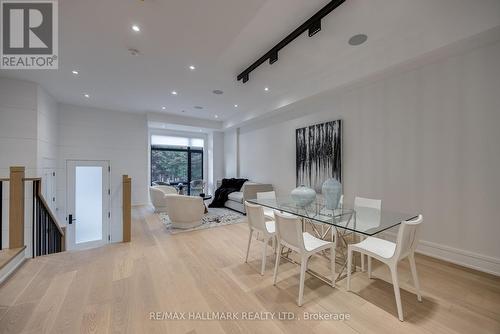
(177, 160)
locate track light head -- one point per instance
(244, 77)
(314, 28)
(273, 57)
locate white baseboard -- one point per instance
(461, 257)
(10, 267)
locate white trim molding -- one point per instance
(457, 256)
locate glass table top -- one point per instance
(363, 220)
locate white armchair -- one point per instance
(157, 195)
(184, 211)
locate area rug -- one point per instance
(214, 218)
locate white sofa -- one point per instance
(249, 190)
(184, 211)
(157, 196)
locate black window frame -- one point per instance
(187, 149)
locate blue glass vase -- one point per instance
(303, 196)
(332, 190)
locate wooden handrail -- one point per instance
(127, 208)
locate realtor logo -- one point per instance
(29, 35)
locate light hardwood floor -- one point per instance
(114, 289)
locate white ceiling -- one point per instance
(222, 37)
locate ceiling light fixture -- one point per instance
(192, 67)
(218, 92)
(136, 28)
(216, 116)
(86, 95)
(198, 107)
(163, 108)
(236, 106)
(266, 89)
(357, 39)
(174, 92)
(75, 72)
(313, 25)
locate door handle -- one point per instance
(71, 219)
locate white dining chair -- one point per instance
(368, 213)
(268, 212)
(391, 253)
(261, 224)
(290, 234)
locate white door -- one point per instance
(88, 202)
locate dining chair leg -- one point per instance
(264, 255)
(361, 238)
(413, 268)
(397, 295)
(249, 242)
(277, 264)
(369, 266)
(349, 263)
(274, 244)
(303, 268)
(332, 263)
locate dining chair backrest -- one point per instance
(255, 216)
(407, 237)
(289, 230)
(367, 203)
(368, 212)
(266, 195)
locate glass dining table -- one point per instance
(342, 226)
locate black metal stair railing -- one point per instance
(47, 236)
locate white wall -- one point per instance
(426, 140)
(215, 159)
(18, 140)
(231, 153)
(18, 125)
(28, 137)
(96, 134)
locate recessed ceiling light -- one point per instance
(163, 108)
(136, 28)
(86, 95)
(357, 39)
(216, 116)
(236, 106)
(218, 92)
(192, 67)
(75, 72)
(266, 89)
(174, 92)
(201, 130)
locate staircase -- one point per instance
(25, 214)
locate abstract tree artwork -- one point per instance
(319, 154)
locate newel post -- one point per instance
(16, 207)
(127, 208)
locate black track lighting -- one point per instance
(313, 25)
